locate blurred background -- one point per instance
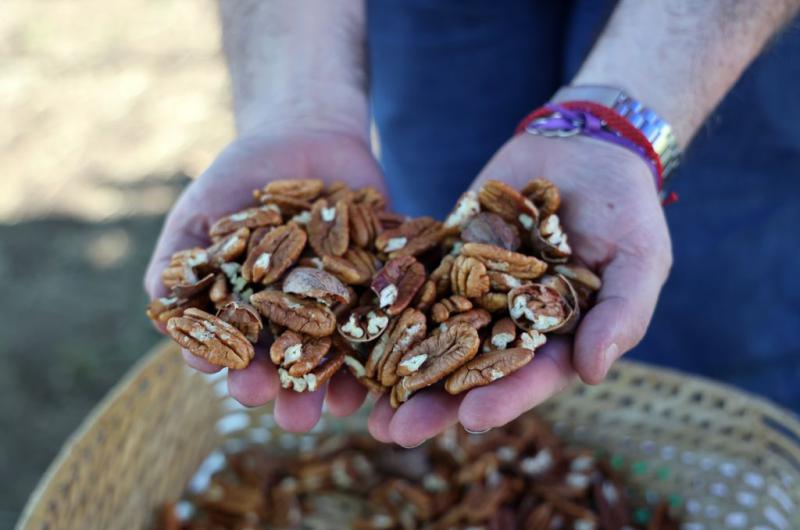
(108, 109)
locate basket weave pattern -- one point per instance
(722, 458)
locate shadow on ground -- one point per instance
(73, 323)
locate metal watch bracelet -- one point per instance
(657, 131)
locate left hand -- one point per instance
(612, 215)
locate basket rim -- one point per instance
(166, 347)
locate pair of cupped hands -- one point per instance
(610, 209)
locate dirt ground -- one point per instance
(108, 109)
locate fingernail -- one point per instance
(412, 446)
(609, 356)
(478, 432)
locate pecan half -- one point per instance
(243, 317)
(163, 309)
(403, 334)
(338, 191)
(314, 379)
(291, 196)
(363, 324)
(441, 275)
(189, 289)
(229, 247)
(547, 306)
(497, 259)
(251, 218)
(297, 314)
(299, 354)
(411, 238)
(329, 228)
(466, 209)
(544, 195)
(184, 267)
(256, 235)
(397, 283)
(493, 302)
(474, 318)
(364, 225)
(355, 267)
(273, 256)
(486, 368)
(442, 309)
(426, 295)
(550, 240)
(468, 277)
(317, 284)
(530, 340)
(435, 358)
(500, 198)
(491, 229)
(211, 338)
(503, 282)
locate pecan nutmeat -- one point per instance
(273, 256)
(211, 338)
(317, 284)
(501, 260)
(252, 218)
(500, 198)
(491, 229)
(355, 267)
(298, 354)
(297, 314)
(230, 247)
(547, 306)
(329, 228)
(411, 238)
(468, 277)
(405, 332)
(243, 317)
(363, 324)
(397, 283)
(487, 368)
(544, 195)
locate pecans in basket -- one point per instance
(518, 477)
(403, 304)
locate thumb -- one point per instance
(620, 318)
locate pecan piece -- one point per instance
(397, 283)
(585, 282)
(475, 318)
(338, 191)
(544, 195)
(297, 314)
(486, 368)
(435, 358)
(547, 306)
(441, 275)
(243, 317)
(364, 225)
(273, 256)
(355, 267)
(442, 309)
(163, 309)
(290, 196)
(491, 229)
(317, 284)
(297, 353)
(550, 240)
(468, 277)
(229, 247)
(467, 207)
(504, 331)
(497, 259)
(503, 282)
(369, 196)
(251, 218)
(425, 296)
(403, 334)
(411, 238)
(493, 302)
(183, 267)
(312, 380)
(256, 235)
(328, 229)
(192, 288)
(211, 338)
(500, 198)
(364, 324)
(390, 220)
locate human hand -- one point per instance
(247, 164)
(611, 211)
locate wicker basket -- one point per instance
(722, 458)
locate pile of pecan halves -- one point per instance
(516, 477)
(403, 303)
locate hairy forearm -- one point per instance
(296, 63)
(680, 57)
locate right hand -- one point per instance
(226, 186)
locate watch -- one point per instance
(657, 131)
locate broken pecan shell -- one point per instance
(211, 338)
(397, 283)
(317, 284)
(297, 314)
(547, 306)
(363, 324)
(243, 317)
(491, 229)
(550, 241)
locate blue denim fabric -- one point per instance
(450, 80)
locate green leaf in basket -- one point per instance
(617, 462)
(641, 515)
(662, 473)
(639, 468)
(675, 500)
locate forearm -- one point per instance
(681, 57)
(296, 63)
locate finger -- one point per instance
(298, 411)
(494, 405)
(255, 385)
(423, 416)
(380, 418)
(620, 318)
(345, 394)
(198, 363)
